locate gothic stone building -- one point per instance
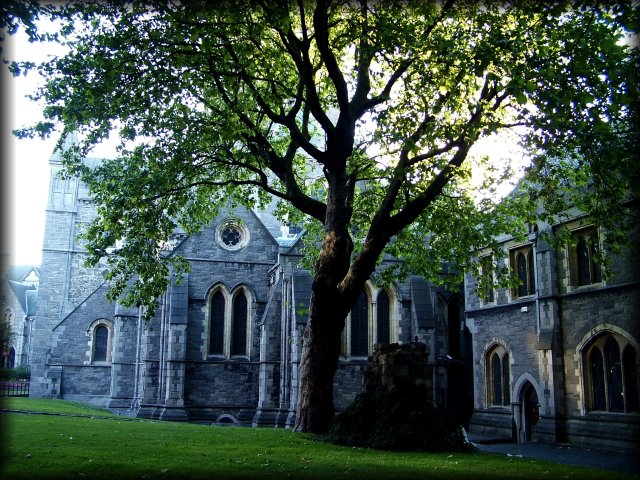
(557, 358)
(18, 306)
(225, 344)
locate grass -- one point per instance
(98, 445)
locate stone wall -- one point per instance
(395, 365)
(545, 335)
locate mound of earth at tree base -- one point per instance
(399, 420)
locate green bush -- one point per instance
(19, 373)
(402, 420)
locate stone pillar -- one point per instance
(54, 381)
(175, 372)
(551, 373)
(123, 358)
(176, 352)
(270, 378)
(149, 375)
(151, 354)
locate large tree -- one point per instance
(359, 117)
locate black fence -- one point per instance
(14, 388)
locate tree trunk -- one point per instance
(327, 312)
(318, 366)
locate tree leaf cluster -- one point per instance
(355, 114)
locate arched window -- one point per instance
(583, 267)
(383, 318)
(522, 264)
(523, 289)
(612, 376)
(100, 332)
(497, 376)
(598, 395)
(239, 330)
(370, 321)
(496, 379)
(487, 294)
(216, 331)
(532, 273)
(100, 342)
(582, 250)
(229, 320)
(360, 327)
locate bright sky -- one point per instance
(29, 157)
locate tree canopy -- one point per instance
(359, 117)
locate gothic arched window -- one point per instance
(360, 327)
(383, 318)
(498, 384)
(216, 332)
(583, 267)
(100, 332)
(239, 330)
(596, 365)
(371, 321)
(614, 375)
(611, 383)
(100, 342)
(522, 264)
(229, 321)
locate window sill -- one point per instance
(605, 413)
(584, 288)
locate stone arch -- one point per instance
(95, 345)
(526, 407)
(215, 287)
(236, 293)
(588, 385)
(371, 293)
(223, 300)
(519, 384)
(217, 298)
(226, 419)
(604, 328)
(394, 297)
(492, 346)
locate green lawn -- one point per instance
(102, 446)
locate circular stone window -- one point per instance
(231, 235)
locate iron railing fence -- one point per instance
(14, 388)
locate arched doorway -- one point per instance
(530, 412)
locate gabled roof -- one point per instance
(20, 290)
(32, 303)
(19, 273)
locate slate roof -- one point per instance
(422, 302)
(32, 302)
(21, 292)
(18, 273)
(302, 295)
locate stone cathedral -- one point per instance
(556, 359)
(225, 344)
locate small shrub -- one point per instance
(401, 420)
(19, 373)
